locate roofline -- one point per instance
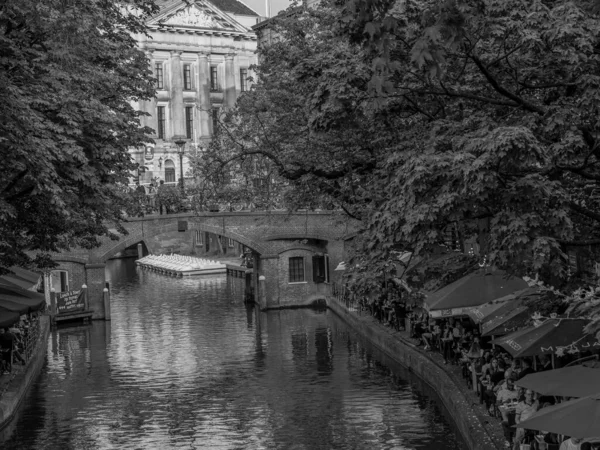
(280, 15)
(247, 6)
(179, 29)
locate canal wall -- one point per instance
(19, 385)
(453, 395)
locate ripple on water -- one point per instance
(184, 364)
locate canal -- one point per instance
(184, 364)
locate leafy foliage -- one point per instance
(68, 72)
(418, 115)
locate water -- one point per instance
(184, 364)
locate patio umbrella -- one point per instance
(552, 336)
(33, 300)
(7, 318)
(17, 307)
(571, 381)
(577, 418)
(479, 313)
(471, 291)
(513, 319)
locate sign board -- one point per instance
(149, 152)
(441, 313)
(70, 301)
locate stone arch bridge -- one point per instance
(273, 237)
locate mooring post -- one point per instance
(86, 302)
(262, 283)
(52, 304)
(106, 295)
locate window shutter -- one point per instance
(318, 268)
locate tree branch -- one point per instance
(584, 211)
(504, 92)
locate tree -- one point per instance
(69, 71)
(420, 115)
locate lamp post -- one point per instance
(180, 142)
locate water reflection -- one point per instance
(185, 364)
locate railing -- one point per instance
(346, 298)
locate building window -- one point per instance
(215, 120)
(189, 122)
(296, 269)
(158, 67)
(169, 171)
(244, 80)
(199, 238)
(59, 280)
(214, 79)
(187, 77)
(161, 121)
(230, 243)
(320, 268)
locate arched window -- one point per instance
(169, 171)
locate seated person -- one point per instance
(571, 444)
(527, 369)
(525, 409)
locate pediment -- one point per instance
(197, 15)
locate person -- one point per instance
(573, 443)
(447, 342)
(400, 312)
(505, 396)
(546, 363)
(139, 188)
(527, 369)
(159, 198)
(514, 369)
(525, 409)
(7, 343)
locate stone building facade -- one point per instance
(200, 53)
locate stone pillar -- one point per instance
(203, 96)
(150, 105)
(177, 117)
(95, 281)
(140, 251)
(230, 95)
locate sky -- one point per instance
(260, 8)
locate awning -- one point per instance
(8, 318)
(471, 291)
(554, 335)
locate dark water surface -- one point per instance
(184, 364)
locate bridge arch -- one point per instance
(149, 232)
